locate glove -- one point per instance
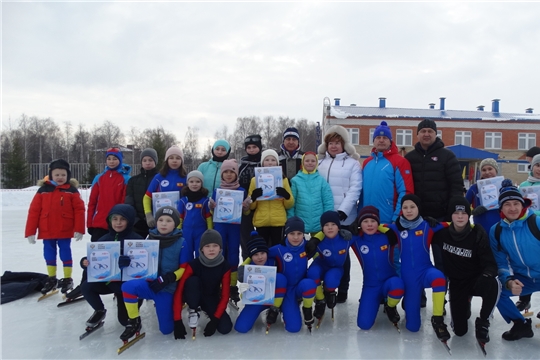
(342, 215)
(283, 193)
(431, 221)
(78, 236)
(211, 327)
(257, 193)
(81, 262)
(179, 330)
(123, 261)
(353, 228)
(162, 281)
(345, 234)
(311, 246)
(32, 239)
(240, 273)
(91, 231)
(150, 221)
(480, 210)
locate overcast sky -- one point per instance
(205, 64)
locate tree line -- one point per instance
(33, 140)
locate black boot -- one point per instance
(482, 330)
(308, 316)
(234, 295)
(97, 317)
(132, 328)
(271, 315)
(50, 284)
(440, 328)
(320, 307)
(331, 299)
(341, 297)
(65, 285)
(392, 313)
(519, 330)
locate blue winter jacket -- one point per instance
(172, 256)
(312, 197)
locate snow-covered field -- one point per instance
(32, 330)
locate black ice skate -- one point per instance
(308, 317)
(271, 317)
(234, 297)
(524, 306)
(482, 333)
(519, 330)
(441, 331)
(331, 299)
(97, 317)
(65, 285)
(318, 313)
(49, 288)
(133, 329)
(393, 315)
(75, 293)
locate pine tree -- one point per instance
(92, 170)
(16, 170)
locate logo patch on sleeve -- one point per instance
(343, 251)
(419, 232)
(384, 247)
(180, 184)
(198, 206)
(303, 255)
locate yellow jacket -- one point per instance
(271, 212)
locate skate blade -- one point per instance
(537, 326)
(50, 293)
(445, 344)
(528, 314)
(233, 305)
(128, 344)
(193, 333)
(91, 330)
(482, 347)
(67, 302)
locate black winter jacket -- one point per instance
(437, 177)
(136, 188)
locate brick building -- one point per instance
(503, 136)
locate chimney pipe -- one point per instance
(442, 103)
(495, 105)
(480, 107)
(529, 110)
(336, 101)
(432, 105)
(382, 102)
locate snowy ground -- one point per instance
(32, 330)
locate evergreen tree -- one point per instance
(92, 170)
(16, 171)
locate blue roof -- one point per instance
(469, 153)
(343, 112)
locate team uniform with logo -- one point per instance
(196, 218)
(172, 182)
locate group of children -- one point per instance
(203, 257)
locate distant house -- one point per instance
(508, 135)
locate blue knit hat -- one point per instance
(294, 224)
(222, 142)
(330, 216)
(509, 192)
(383, 130)
(256, 244)
(292, 131)
(115, 152)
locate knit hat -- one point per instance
(426, 123)
(491, 162)
(458, 203)
(169, 211)
(415, 199)
(230, 165)
(294, 224)
(256, 244)
(197, 174)
(211, 236)
(269, 152)
(59, 164)
(532, 152)
(253, 140)
(535, 160)
(509, 192)
(115, 152)
(150, 152)
(368, 212)
(174, 150)
(222, 142)
(292, 131)
(330, 216)
(383, 130)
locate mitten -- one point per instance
(211, 327)
(32, 239)
(431, 221)
(283, 193)
(179, 330)
(123, 261)
(477, 211)
(257, 193)
(345, 234)
(342, 215)
(162, 281)
(150, 221)
(82, 262)
(311, 246)
(78, 236)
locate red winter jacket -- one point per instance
(56, 212)
(109, 190)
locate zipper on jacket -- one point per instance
(519, 253)
(328, 173)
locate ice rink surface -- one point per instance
(32, 330)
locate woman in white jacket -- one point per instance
(339, 166)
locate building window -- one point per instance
(523, 168)
(403, 137)
(371, 132)
(526, 141)
(354, 135)
(439, 134)
(493, 140)
(463, 138)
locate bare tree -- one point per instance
(68, 137)
(191, 146)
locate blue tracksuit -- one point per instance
(328, 262)
(375, 254)
(194, 217)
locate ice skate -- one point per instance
(73, 294)
(519, 330)
(441, 331)
(524, 306)
(318, 313)
(308, 317)
(193, 321)
(94, 323)
(65, 285)
(49, 288)
(392, 313)
(330, 298)
(482, 333)
(271, 317)
(133, 329)
(234, 297)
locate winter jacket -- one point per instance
(290, 164)
(16, 285)
(437, 177)
(487, 219)
(136, 189)
(467, 258)
(344, 176)
(171, 254)
(212, 174)
(123, 169)
(270, 212)
(172, 182)
(387, 177)
(519, 251)
(312, 197)
(56, 212)
(108, 190)
(128, 213)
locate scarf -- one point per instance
(166, 240)
(229, 186)
(193, 196)
(462, 235)
(221, 158)
(254, 158)
(410, 224)
(532, 179)
(211, 263)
